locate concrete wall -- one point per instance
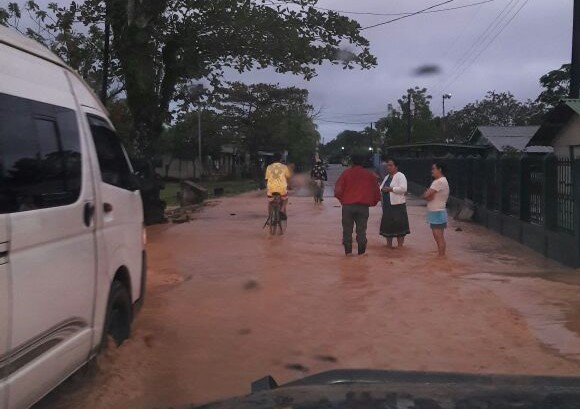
(569, 137)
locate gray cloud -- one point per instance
(536, 41)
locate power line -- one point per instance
(366, 13)
(351, 114)
(407, 16)
(461, 33)
(490, 42)
(472, 59)
(343, 122)
(484, 35)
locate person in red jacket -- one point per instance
(357, 190)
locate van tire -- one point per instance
(119, 315)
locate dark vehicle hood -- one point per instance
(373, 389)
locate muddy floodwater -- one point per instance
(228, 304)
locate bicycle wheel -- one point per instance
(274, 218)
(282, 226)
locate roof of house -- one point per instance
(555, 121)
(502, 137)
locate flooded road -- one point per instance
(228, 304)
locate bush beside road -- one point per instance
(230, 187)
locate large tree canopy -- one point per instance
(268, 117)
(160, 46)
(495, 109)
(556, 86)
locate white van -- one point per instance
(72, 259)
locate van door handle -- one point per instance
(3, 253)
(107, 207)
(88, 212)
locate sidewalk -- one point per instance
(228, 304)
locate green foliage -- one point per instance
(351, 141)
(181, 141)
(160, 46)
(425, 128)
(73, 32)
(252, 118)
(496, 109)
(556, 86)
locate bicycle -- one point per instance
(274, 218)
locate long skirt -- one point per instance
(395, 221)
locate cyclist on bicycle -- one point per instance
(319, 176)
(277, 176)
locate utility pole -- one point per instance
(445, 96)
(371, 137)
(199, 139)
(409, 120)
(106, 57)
(575, 69)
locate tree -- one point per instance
(394, 126)
(351, 141)
(556, 86)
(62, 29)
(180, 141)
(496, 109)
(268, 117)
(162, 45)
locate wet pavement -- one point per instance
(228, 304)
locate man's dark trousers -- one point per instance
(355, 214)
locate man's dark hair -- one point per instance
(358, 159)
(441, 166)
(395, 161)
(277, 157)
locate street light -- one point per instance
(370, 148)
(443, 98)
(342, 147)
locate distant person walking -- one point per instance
(382, 171)
(357, 190)
(319, 176)
(395, 221)
(437, 196)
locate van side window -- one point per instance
(113, 162)
(40, 157)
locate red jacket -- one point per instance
(357, 185)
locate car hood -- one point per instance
(358, 389)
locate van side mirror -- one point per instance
(134, 183)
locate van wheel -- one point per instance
(119, 315)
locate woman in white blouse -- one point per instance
(395, 221)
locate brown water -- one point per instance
(229, 304)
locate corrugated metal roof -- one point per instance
(502, 137)
(574, 104)
(555, 121)
(539, 149)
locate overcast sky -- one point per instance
(537, 40)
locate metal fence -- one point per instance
(565, 196)
(534, 189)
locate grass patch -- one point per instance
(230, 187)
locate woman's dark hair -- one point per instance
(395, 161)
(277, 157)
(441, 166)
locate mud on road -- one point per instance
(228, 304)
